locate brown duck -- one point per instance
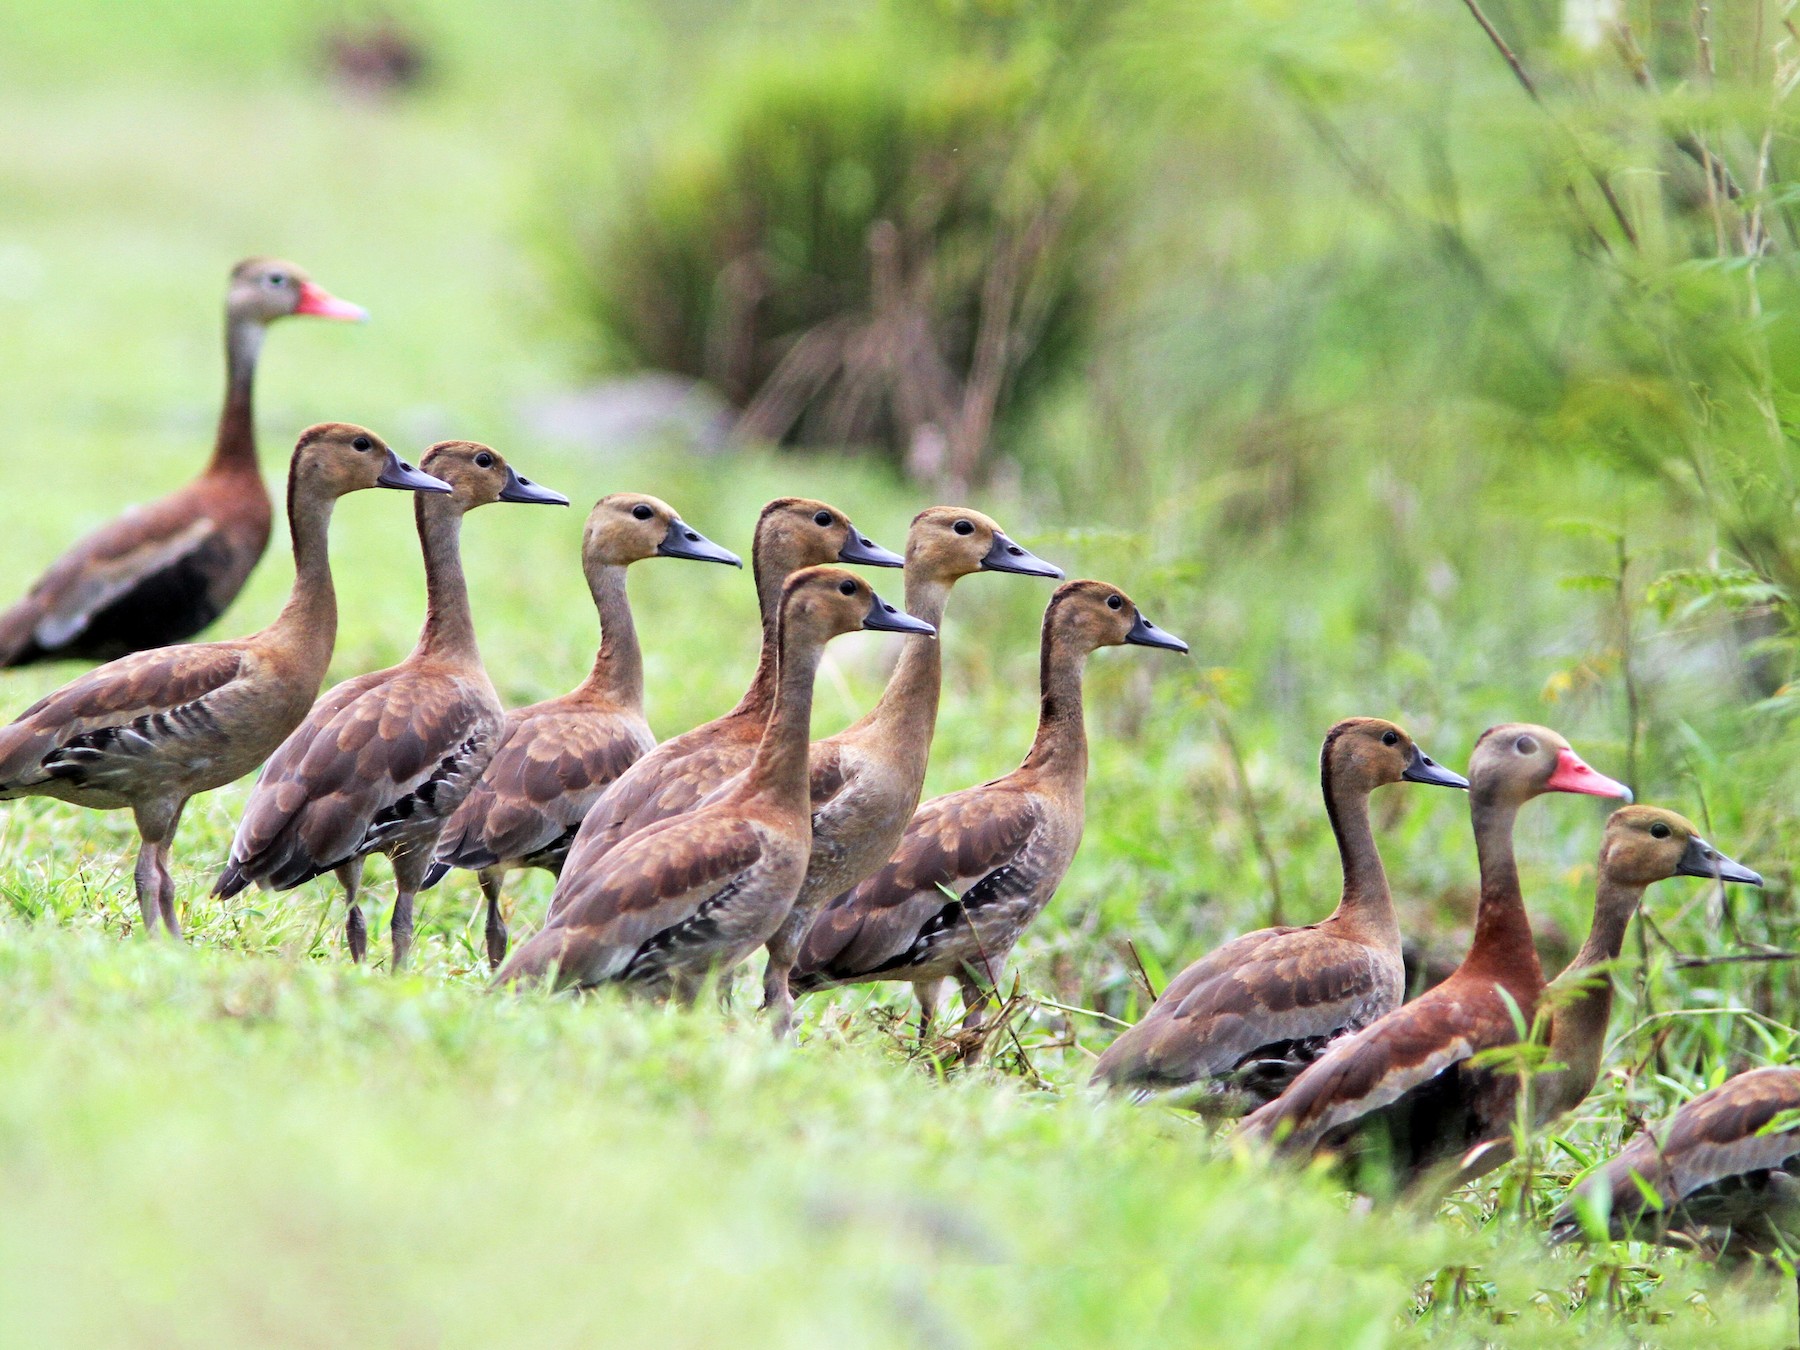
(383, 760)
(1247, 1018)
(1722, 1174)
(1000, 850)
(693, 895)
(1402, 1087)
(1643, 845)
(554, 758)
(792, 532)
(153, 729)
(165, 570)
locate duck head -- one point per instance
(1517, 761)
(1369, 752)
(339, 457)
(947, 542)
(820, 603)
(1646, 844)
(796, 532)
(629, 527)
(1092, 614)
(265, 289)
(478, 474)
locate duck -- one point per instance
(791, 533)
(1642, 846)
(866, 780)
(554, 758)
(975, 867)
(1721, 1174)
(150, 731)
(1245, 1019)
(686, 899)
(1403, 1087)
(164, 571)
(384, 760)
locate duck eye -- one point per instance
(642, 512)
(484, 460)
(1390, 738)
(361, 443)
(1115, 602)
(822, 518)
(1526, 745)
(964, 527)
(847, 587)
(1659, 830)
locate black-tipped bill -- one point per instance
(865, 552)
(519, 489)
(884, 618)
(1146, 634)
(684, 541)
(1006, 556)
(1701, 859)
(399, 474)
(1422, 768)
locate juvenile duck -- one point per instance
(792, 533)
(1247, 1018)
(383, 760)
(1000, 849)
(866, 779)
(554, 758)
(1403, 1084)
(1643, 845)
(152, 730)
(165, 570)
(695, 894)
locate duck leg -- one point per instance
(155, 824)
(492, 878)
(975, 996)
(165, 879)
(409, 874)
(356, 932)
(930, 994)
(784, 949)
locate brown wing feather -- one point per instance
(655, 880)
(141, 685)
(952, 842)
(549, 768)
(404, 739)
(671, 779)
(1264, 988)
(1374, 1068)
(1710, 1141)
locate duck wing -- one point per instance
(952, 844)
(1270, 995)
(657, 879)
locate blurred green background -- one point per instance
(1392, 385)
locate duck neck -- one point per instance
(449, 632)
(781, 770)
(234, 448)
(311, 609)
(1366, 900)
(1061, 743)
(1583, 1005)
(1503, 947)
(618, 673)
(761, 693)
(908, 708)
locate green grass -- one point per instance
(242, 1140)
